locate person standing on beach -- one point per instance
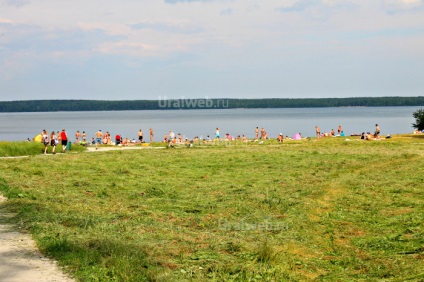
(99, 136)
(377, 131)
(171, 136)
(77, 137)
(217, 133)
(317, 131)
(339, 129)
(45, 140)
(53, 140)
(257, 133)
(84, 136)
(64, 138)
(151, 135)
(140, 136)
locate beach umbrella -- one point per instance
(37, 138)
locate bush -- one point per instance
(419, 119)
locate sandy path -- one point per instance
(20, 260)
(119, 148)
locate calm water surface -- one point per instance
(190, 123)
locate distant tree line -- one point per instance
(125, 105)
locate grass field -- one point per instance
(24, 148)
(331, 210)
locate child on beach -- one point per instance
(217, 133)
(53, 142)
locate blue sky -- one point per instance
(156, 49)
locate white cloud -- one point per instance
(411, 2)
(107, 28)
(167, 26)
(399, 6)
(238, 39)
(129, 48)
(5, 21)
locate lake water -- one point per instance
(190, 123)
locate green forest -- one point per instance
(124, 105)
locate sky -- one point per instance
(176, 49)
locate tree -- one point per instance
(419, 119)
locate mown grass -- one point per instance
(329, 210)
(24, 148)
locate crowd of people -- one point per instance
(55, 139)
(106, 138)
(364, 136)
(173, 139)
(331, 133)
(369, 136)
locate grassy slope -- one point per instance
(330, 209)
(24, 148)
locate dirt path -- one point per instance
(113, 148)
(20, 260)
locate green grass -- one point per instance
(25, 148)
(329, 210)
